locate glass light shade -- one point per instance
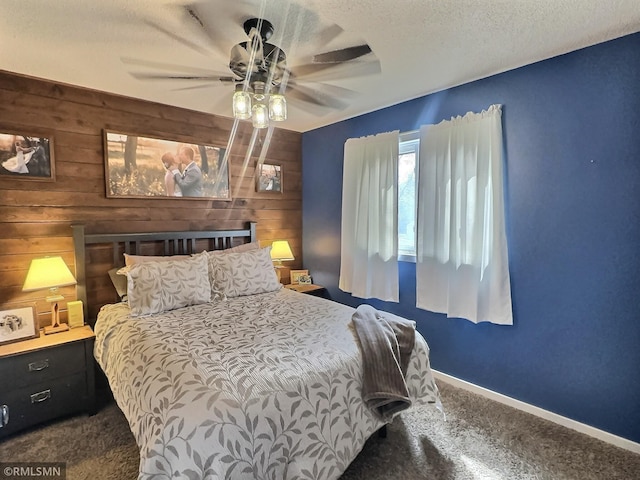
(241, 105)
(48, 272)
(281, 251)
(260, 115)
(277, 107)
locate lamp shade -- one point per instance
(281, 251)
(48, 272)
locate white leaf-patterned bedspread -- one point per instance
(266, 386)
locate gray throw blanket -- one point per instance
(386, 342)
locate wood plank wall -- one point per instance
(35, 217)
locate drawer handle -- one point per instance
(41, 396)
(4, 418)
(37, 366)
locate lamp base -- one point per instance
(63, 327)
(56, 326)
(283, 274)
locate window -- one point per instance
(407, 178)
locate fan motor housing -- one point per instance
(265, 27)
(271, 68)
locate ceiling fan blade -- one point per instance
(178, 38)
(343, 55)
(168, 66)
(326, 89)
(335, 71)
(216, 41)
(315, 96)
(328, 34)
(164, 76)
(196, 87)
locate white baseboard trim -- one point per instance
(539, 412)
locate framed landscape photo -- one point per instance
(18, 324)
(268, 178)
(26, 155)
(147, 167)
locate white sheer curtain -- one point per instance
(369, 241)
(461, 260)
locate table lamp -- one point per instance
(280, 252)
(51, 273)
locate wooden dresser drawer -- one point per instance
(40, 366)
(45, 401)
(45, 378)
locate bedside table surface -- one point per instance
(45, 341)
(303, 288)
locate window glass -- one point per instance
(407, 162)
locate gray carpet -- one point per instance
(480, 439)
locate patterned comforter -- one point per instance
(265, 386)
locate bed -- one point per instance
(258, 383)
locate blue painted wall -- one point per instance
(572, 134)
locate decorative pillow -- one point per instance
(155, 287)
(243, 273)
(217, 294)
(119, 282)
(130, 260)
(245, 247)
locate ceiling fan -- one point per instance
(259, 71)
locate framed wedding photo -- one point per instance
(147, 167)
(268, 178)
(18, 324)
(27, 155)
(296, 274)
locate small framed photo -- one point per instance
(18, 324)
(296, 274)
(27, 155)
(268, 178)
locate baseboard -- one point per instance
(539, 412)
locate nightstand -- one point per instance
(309, 289)
(45, 378)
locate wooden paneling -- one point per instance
(35, 217)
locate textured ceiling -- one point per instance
(422, 45)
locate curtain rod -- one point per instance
(413, 132)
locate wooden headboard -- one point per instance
(96, 254)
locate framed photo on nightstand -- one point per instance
(18, 324)
(296, 274)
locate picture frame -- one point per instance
(27, 154)
(296, 274)
(18, 324)
(141, 167)
(269, 178)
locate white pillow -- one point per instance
(130, 260)
(245, 247)
(242, 273)
(155, 287)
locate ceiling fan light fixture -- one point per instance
(241, 105)
(277, 107)
(260, 116)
